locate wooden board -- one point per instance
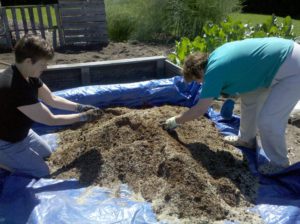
(59, 77)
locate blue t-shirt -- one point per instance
(243, 66)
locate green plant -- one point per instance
(187, 17)
(214, 35)
(257, 18)
(120, 26)
(149, 19)
(166, 18)
(120, 20)
(272, 27)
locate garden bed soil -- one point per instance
(189, 175)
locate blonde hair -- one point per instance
(193, 66)
(34, 47)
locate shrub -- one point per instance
(168, 18)
(120, 21)
(187, 17)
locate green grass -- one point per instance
(256, 18)
(36, 18)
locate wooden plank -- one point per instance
(70, 78)
(80, 5)
(160, 68)
(41, 21)
(85, 32)
(6, 27)
(54, 38)
(80, 1)
(24, 21)
(29, 29)
(85, 76)
(64, 67)
(75, 12)
(59, 25)
(91, 26)
(123, 74)
(50, 25)
(49, 17)
(97, 16)
(15, 22)
(72, 3)
(99, 34)
(172, 69)
(83, 19)
(85, 8)
(87, 38)
(104, 63)
(31, 17)
(84, 39)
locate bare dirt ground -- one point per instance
(189, 175)
(111, 52)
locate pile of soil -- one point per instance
(189, 175)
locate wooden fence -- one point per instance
(70, 22)
(30, 22)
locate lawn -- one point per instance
(256, 18)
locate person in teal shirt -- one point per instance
(265, 73)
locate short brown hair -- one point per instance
(193, 65)
(34, 47)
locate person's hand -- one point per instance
(91, 115)
(84, 107)
(170, 124)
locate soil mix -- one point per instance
(189, 175)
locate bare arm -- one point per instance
(40, 113)
(55, 101)
(195, 112)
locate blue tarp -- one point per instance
(26, 200)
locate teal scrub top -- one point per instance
(243, 66)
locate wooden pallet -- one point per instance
(83, 22)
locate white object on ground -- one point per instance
(295, 114)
